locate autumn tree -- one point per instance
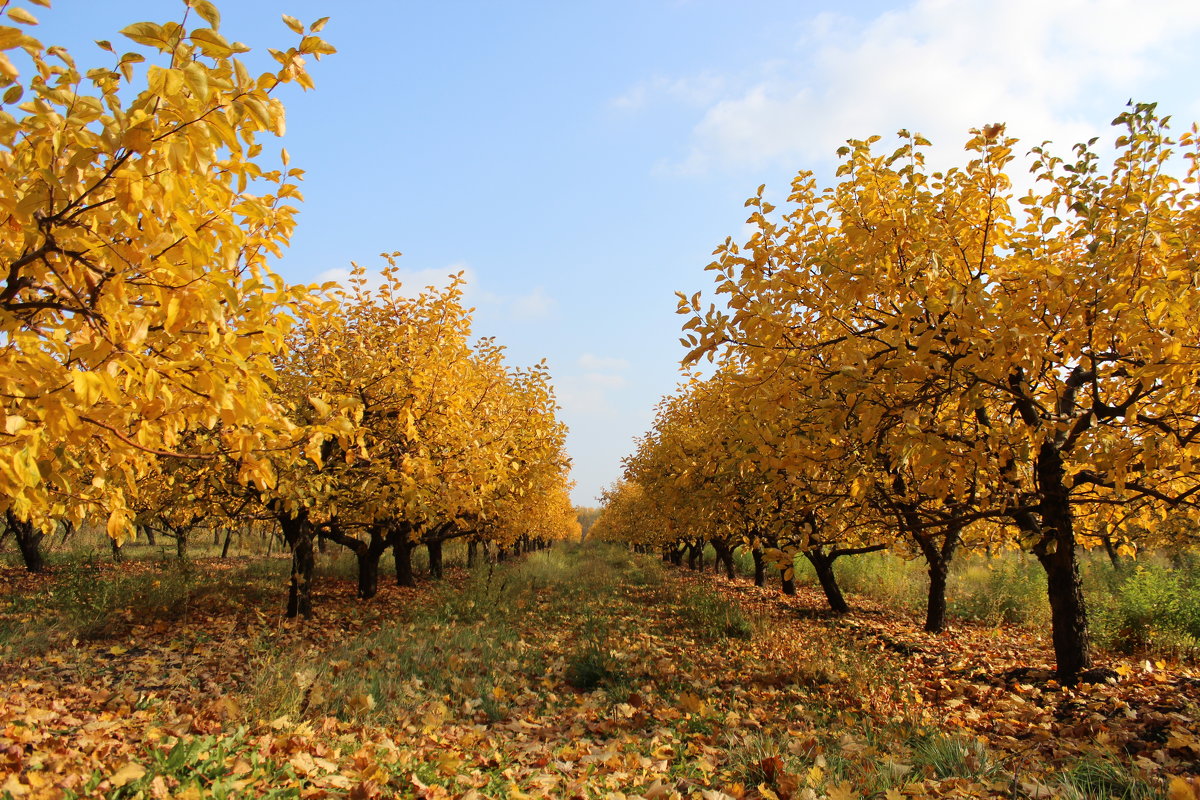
(136, 303)
(1063, 325)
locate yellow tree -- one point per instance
(136, 304)
(1064, 326)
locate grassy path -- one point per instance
(579, 672)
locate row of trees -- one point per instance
(913, 359)
(154, 371)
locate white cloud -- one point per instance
(602, 363)
(941, 67)
(602, 380)
(534, 305)
(700, 90)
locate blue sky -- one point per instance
(581, 160)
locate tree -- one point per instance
(1064, 328)
(136, 303)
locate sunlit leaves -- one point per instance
(138, 305)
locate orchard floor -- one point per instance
(582, 672)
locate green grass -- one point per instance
(1095, 778)
(1150, 606)
(710, 616)
(87, 601)
(469, 646)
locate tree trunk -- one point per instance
(935, 606)
(298, 532)
(1057, 554)
(146, 529)
(937, 562)
(228, 539)
(117, 555)
(472, 553)
(760, 567)
(216, 536)
(368, 572)
(29, 542)
(787, 585)
(724, 558)
(434, 548)
(823, 566)
(181, 542)
(1110, 548)
(402, 549)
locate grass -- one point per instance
(88, 602)
(710, 616)
(953, 756)
(575, 644)
(469, 647)
(1094, 778)
(1150, 606)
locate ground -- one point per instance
(578, 672)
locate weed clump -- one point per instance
(711, 616)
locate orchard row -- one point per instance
(155, 371)
(928, 361)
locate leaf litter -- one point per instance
(463, 690)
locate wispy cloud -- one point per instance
(939, 67)
(602, 363)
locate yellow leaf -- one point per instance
(22, 16)
(293, 23)
(26, 466)
(127, 774)
(1181, 789)
(147, 33)
(692, 703)
(843, 791)
(207, 11)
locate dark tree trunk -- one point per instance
(181, 543)
(760, 567)
(228, 539)
(787, 578)
(935, 606)
(434, 547)
(724, 558)
(823, 566)
(216, 536)
(298, 532)
(937, 561)
(1110, 548)
(472, 554)
(1068, 613)
(402, 549)
(117, 555)
(368, 569)
(29, 542)
(1056, 553)
(146, 529)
